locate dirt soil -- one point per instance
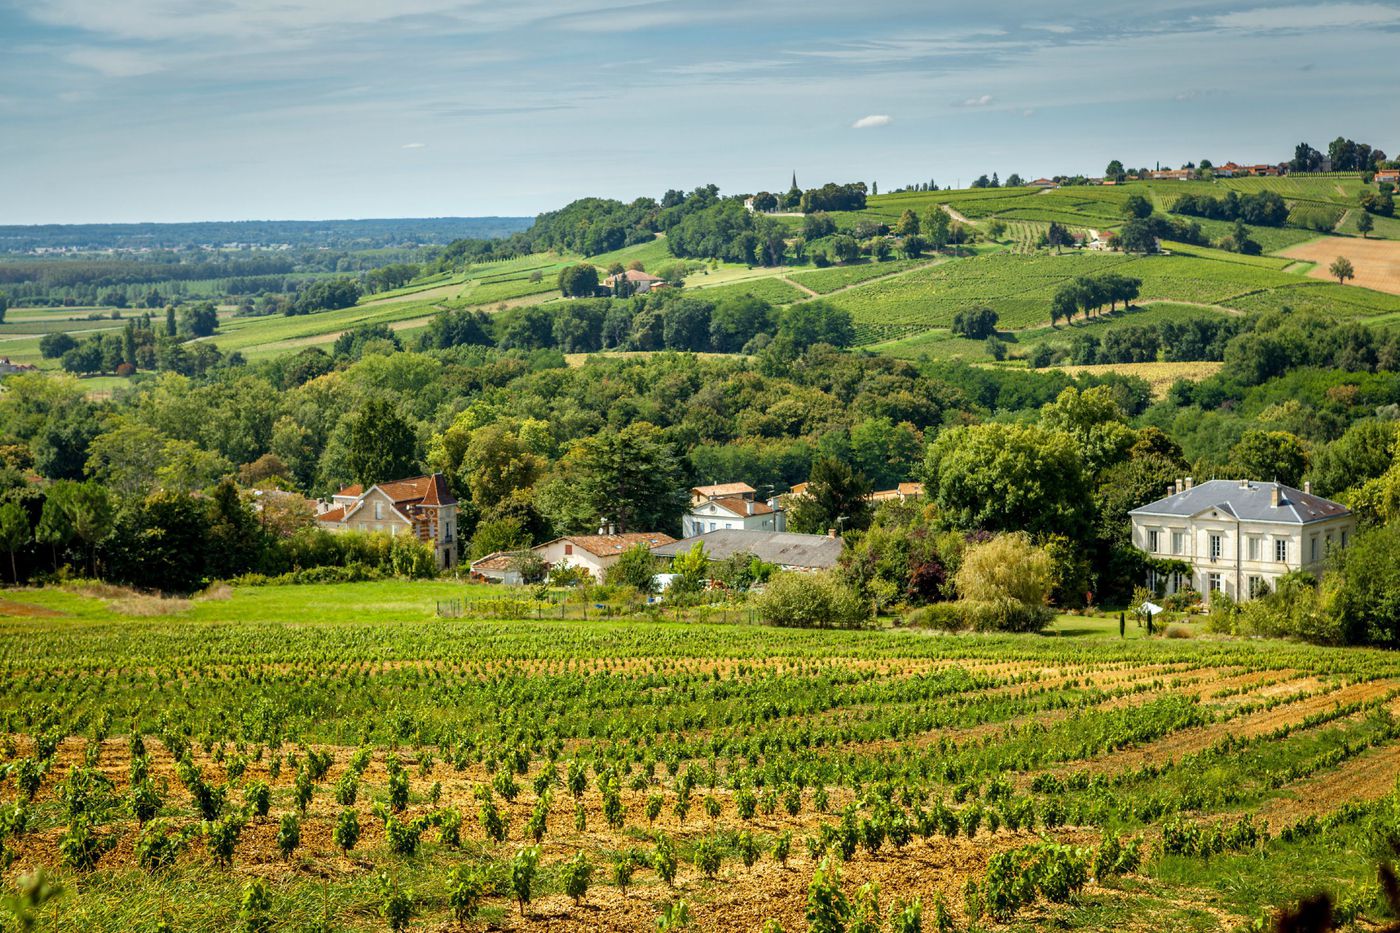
(1377, 262)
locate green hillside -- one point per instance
(902, 306)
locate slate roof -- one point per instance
(1251, 503)
(785, 548)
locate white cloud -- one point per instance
(414, 146)
(875, 119)
(1059, 29)
(114, 63)
(981, 101)
(1028, 112)
(1325, 16)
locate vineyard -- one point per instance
(338, 758)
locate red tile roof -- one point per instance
(609, 545)
(417, 490)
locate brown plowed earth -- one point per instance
(1198, 738)
(1362, 779)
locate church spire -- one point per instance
(794, 178)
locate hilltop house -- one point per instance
(637, 281)
(595, 553)
(731, 505)
(1239, 537)
(787, 550)
(421, 506)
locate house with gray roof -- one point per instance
(786, 549)
(1239, 536)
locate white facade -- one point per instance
(1239, 538)
(723, 514)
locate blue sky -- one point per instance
(129, 110)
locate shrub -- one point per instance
(812, 600)
(1004, 584)
(347, 830)
(577, 873)
(466, 889)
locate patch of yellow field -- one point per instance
(1377, 262)
(1159, 376)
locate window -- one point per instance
(1254, 547)
(1213, 580)
(1257, 587)
(1344, 539)
(568, 550)
(1313, 548)
(379, 510)
(1281, 550)
(1217, 547)
(1152, 541)
(1178, 542)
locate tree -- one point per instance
(975, 323)
(1057, 236)
(835, 499)
(634, 567)
(1007, 477)
(939, 228)
(811, 322)
(4, 306)
(1364, 224)
(737, 320)
(908, 223)
(382, 445)
(631, 479)
(1364, 594)
(1137, 236)
(14, 533)
(53, 346)
(578, 281)
(1342, 270)
(1137, 206)
(1270, 455)
(1004, 584)
(496, 463)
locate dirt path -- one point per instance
(956, 214)
(800, 287)
(879, 278)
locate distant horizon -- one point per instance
(173, 111)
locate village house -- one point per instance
(595, 553)
(784, 549)
(640, 282)
(904, 492)
(1391, 175)
(420, 506)
(498, 567)
(731, 505)
(1239, 537)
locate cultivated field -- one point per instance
(1377, 262)
(1242, 774)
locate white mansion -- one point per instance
(1239, 537)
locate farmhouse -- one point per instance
(786, 549)
(595, 553)
(1391, 175)
(731, 505)
(904, 492)
(499, 567)
(640, 282)
(420, 506)
(1238, 538)
(1173, 174)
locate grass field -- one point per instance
(927, 754)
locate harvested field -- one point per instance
(1377, 262)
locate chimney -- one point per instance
(748, 506)
(831, 532)
(1170, 491)
(1273, 496)
(1244, 484)
(1178, 486)
(1190, 482)
(1307, 487)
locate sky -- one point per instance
(179, 110)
